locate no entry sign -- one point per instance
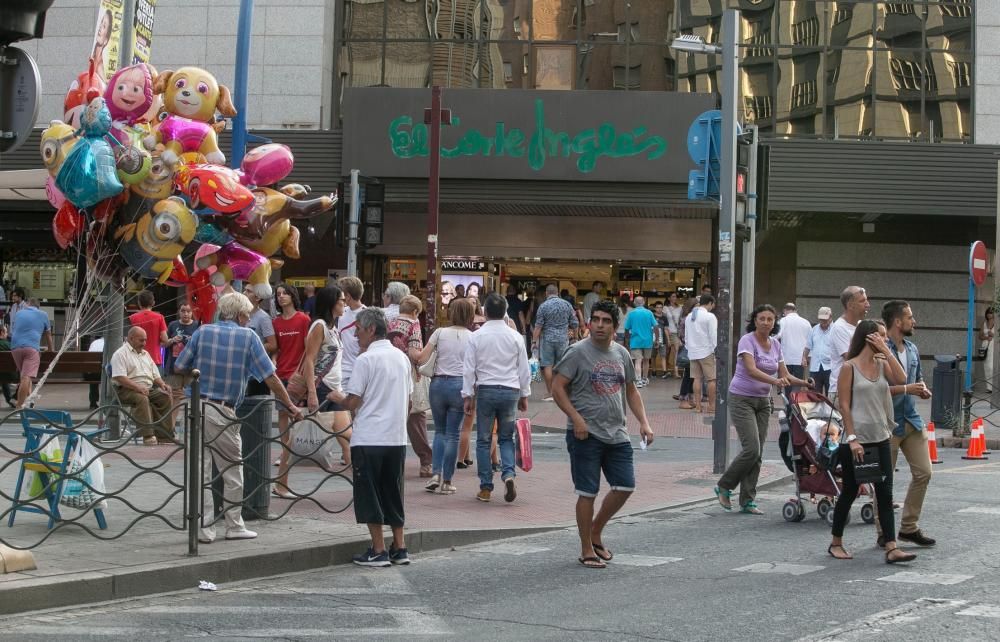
(977, 263)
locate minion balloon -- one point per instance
(150, 244)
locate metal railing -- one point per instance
(166, 486)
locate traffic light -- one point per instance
(743, 148)
(372, 211)
(22, 20)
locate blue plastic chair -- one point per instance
(40, 427)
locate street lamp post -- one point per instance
(727, 219)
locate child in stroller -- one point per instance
(813, 421)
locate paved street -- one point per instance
(690, 574)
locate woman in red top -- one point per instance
(291, 328)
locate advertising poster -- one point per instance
(142, 41)
(107, 37)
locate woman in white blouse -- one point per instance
(447, 407)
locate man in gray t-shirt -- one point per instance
(260, 323)
(592, 384)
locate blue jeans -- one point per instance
(448, 412)
(495, 403)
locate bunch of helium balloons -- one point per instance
(141, 187)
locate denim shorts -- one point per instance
(588, 457)
(551, 352)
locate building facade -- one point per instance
(877, 119)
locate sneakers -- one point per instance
(918, 538)
(447, 489)
(510, 493)
(641, 383)
(398, 556)
(371, 558)
(425, 471)
(240, 533)
(433, 484)
(549, 398)
(484, 494)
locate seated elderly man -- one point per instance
(141, 389)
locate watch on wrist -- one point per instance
(852, 438)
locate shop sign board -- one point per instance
(463, 265)
(509, 134)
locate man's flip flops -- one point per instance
(592, 562)
(603, 553)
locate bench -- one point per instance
(72, 367)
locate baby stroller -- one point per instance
(809, 415)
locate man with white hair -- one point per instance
(392, 297)
(141, 389)
(228, 354)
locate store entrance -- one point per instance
(654, 280)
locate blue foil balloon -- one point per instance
(89, 175)
(208, 233)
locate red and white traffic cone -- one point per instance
(932, 444)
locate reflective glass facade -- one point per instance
(812, 68)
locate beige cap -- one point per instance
(824, 313)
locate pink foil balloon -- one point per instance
(56, 198)
(267, 164)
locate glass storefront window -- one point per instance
(809, 67)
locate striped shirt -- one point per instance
(227, 356)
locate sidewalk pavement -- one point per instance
(75, 567)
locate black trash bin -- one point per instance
(946, 404)
(255, 427)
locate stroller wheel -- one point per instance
(790, 511)
(868, 513)
(824, 508)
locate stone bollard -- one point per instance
(13, 560)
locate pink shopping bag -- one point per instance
(522, 457)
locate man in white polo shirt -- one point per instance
(379, 395)
(794, 335)
(856, 305)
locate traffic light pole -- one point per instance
(432, 118)
(353, 218)
(750, 248)
(727, 236)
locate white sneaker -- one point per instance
(240, 533)
(433, 484)
(206, 535)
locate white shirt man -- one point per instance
(141, 389)
(495, 356)
(379, 395)
(856, 305)
(794, 335)
(495, 372)
(347, 324)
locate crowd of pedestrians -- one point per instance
(370, 375)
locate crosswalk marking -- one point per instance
(509, 548)
(909, 577)
(779, 568)
(868, 628)
(982, 510)
(981, 610)
(643, 560)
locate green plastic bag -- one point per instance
(50, 453)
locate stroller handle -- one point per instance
(808, 395)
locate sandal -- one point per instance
(278, 493)
(688, 406)
(607, 555)
(830, 548)
(750, 508)
(901, 559)
(592, 562)
(723, 494)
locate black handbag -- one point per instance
(868, 471)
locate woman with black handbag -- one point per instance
(866, 406)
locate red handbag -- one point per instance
(522, 455)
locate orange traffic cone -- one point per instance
(975, 450)
(982, 437)
(932, 444)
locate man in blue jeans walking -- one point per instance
(497, 376)
(593, 382)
